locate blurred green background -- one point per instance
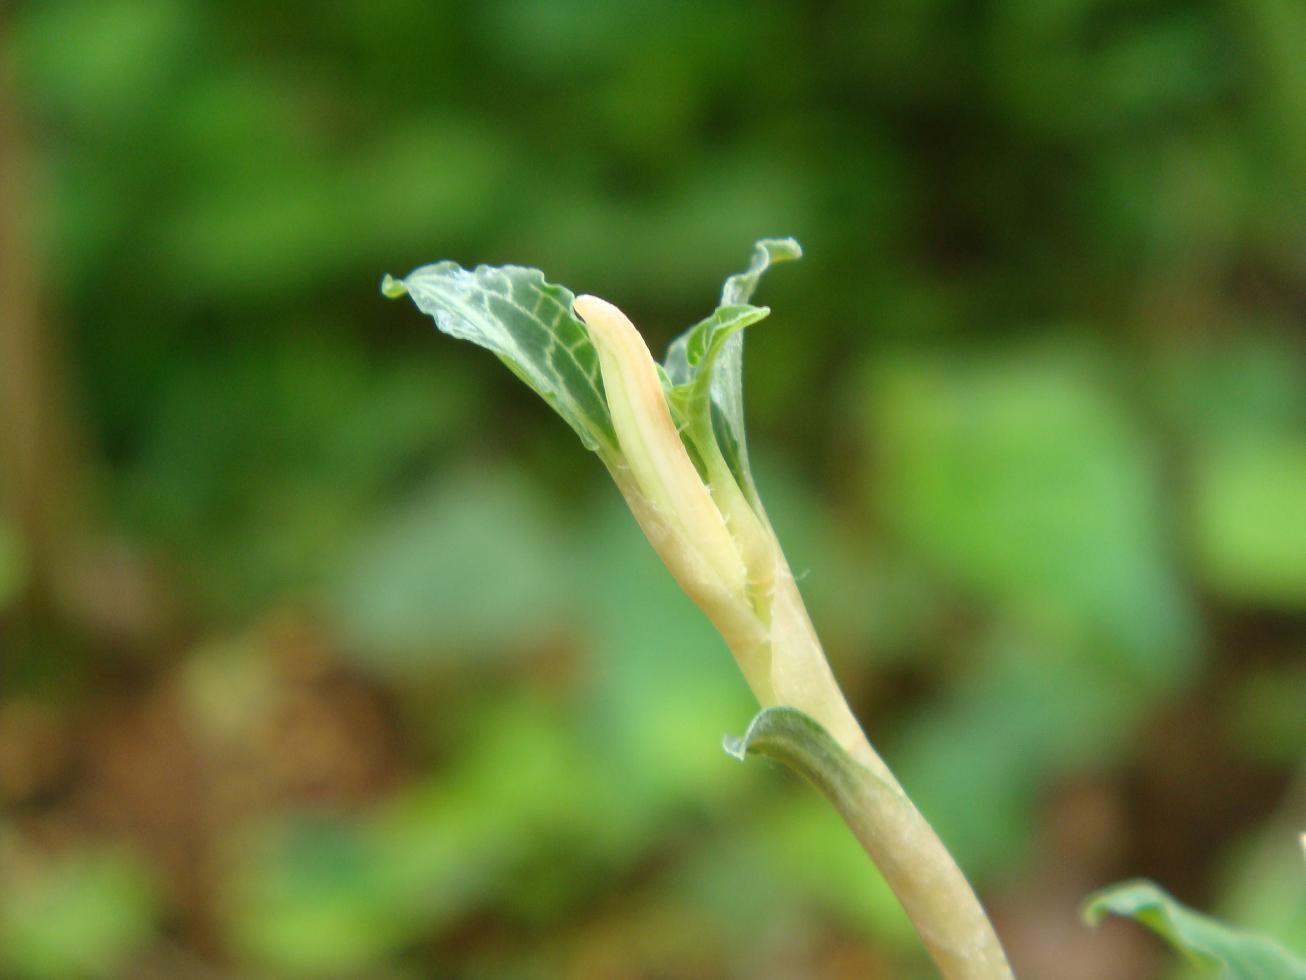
(329, 652)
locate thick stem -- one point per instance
(929, 884)
(786, 667)
(931, 887)
(933, 891)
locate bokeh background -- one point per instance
(328, 651)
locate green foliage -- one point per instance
(514, 313)
(319, 434)
(84, 916)
(1244, 404)
(1247, 493)
(529, 324)
(705, 365)
(1021, 478)
(416, 591)
(315, 895)
(1218, 949)
(1020, 483)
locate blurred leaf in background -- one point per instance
(1208, 943)
(84, 915)
(474, 567)
(1021, 481)
(1245, 404)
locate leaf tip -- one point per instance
(736, 746)
(1093, 911)
(782, 249)
(1123, 899)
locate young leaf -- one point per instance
(768, 251)
(795, 738)
(716, 445)
(1218, 949)
(529, 324)
(709, 356)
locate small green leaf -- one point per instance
(528, 322)
(766, 253)
(692, 363)
(1218, 949)
(799, 741)
(705, 363)
(692, 353)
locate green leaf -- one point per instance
(705, 363)
(768, 251)
(513, 312)
(528, 322)
(1218, 949)
(692, 353)
(413, 591)
(994, 468)
(799, 741)
(1249, 503)
(692, 364)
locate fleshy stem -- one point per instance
(918, 867)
